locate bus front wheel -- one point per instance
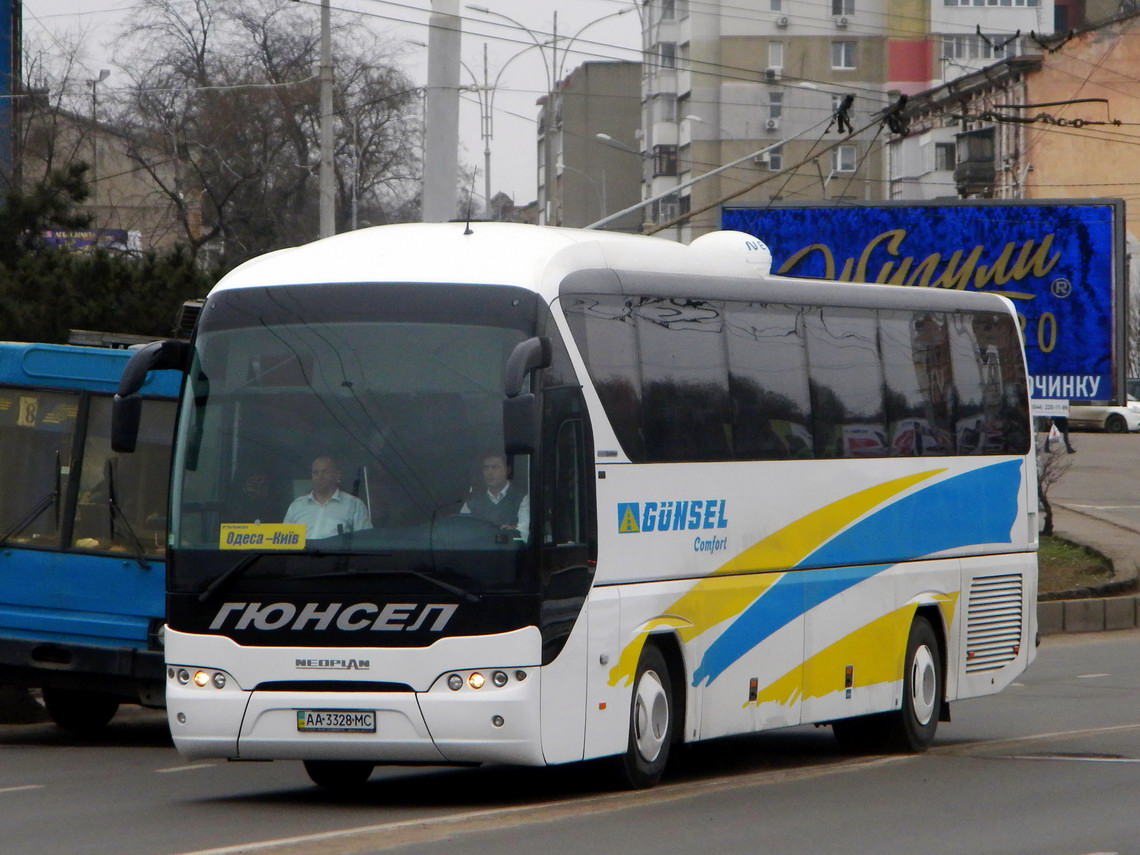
(80, 712)
(338, 774)
(651, 722)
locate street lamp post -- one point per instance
(95, 81)
(486, 95)
(554, 69)
(327, 207)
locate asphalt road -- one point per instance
(1050, 767)
(1104, 478)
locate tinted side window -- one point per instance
(1006, 397)
(605, 330)
(969, 386)
(768, 379)
(684, 375)
(846, 383)
(930, 348)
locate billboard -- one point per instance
(1061, 263)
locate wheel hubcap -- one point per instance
(650, 716)
(923, 683)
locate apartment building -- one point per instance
(721, 80)
(581, 178)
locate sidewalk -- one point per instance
(1110, 606)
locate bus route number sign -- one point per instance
(336, 721)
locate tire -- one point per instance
(651, 722)
(911, 729)
(80, 712)
(1116, 424)
(338, 774)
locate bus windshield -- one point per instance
(323, 425)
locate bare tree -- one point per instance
(228, 93)
(1051, 466)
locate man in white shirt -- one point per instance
(327, 510)
(501, 502)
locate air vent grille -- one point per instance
(995, 616)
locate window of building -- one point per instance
(843, 55)
(776, 159)
(842, 7)
(775, 105)
(775, 54)
(668, 10)
(664, 160)
(973, 46)
(944, 155)
(667, 54)
(776, 5)
(843, 158)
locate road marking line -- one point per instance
(550, 811)
(1072, 759)
(1091, 676)
(186, 768)
(24, 787)
(444, 825)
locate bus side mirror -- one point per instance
(520, 424)
(520, 409)
(126, 410)
(525, 358)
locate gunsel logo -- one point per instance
(675, 515)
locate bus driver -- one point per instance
(500, 501)
(327, 510)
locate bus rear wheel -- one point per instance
(911, 729)
(651, 722)
(338, 774)
(80, 712)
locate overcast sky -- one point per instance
(521, 84)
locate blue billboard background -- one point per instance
(1058, 262)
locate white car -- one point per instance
(1107, 417)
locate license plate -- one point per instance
(336, 721)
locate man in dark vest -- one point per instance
(501, 502)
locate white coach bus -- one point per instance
(750, 502)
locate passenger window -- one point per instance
(605, 330)
(969, 385)
(684, 370)
(846, 383)
(768, 379)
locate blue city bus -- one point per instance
(82, 533)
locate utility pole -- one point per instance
(441, 112)
(328, 199)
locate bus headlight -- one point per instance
(476, 680)
(201, 678)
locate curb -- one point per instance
(1112, 606)
(1091, 614)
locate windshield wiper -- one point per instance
(439, 583)
(51, 498)
(244, 564)
(116, 508)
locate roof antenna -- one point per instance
(470, 201)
